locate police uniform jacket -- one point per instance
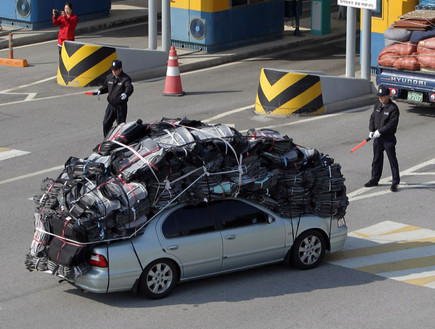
(385, 119)
(115, 86)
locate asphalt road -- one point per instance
(51, 123)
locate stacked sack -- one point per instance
(401, 56)
(140, 169)
(426, 53)
(408, 50)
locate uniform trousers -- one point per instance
(114, 112)
(387, 144)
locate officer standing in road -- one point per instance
(119, 88)
(383, 126)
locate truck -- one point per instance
(406, 65)
(415, 87)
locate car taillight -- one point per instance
(393, 91)
(98, 261)
(432, 97)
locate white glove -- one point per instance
(123, 96)
(377, 134)
(371, 134)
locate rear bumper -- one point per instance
(96, 280)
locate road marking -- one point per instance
(31, 174)
(392, 250)
(28, 85)
(31, 98)
(413, 171)
(228, 113)
(7, 153)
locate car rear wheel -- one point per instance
(308, 250)
(158, 279)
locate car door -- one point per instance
(189, 234)
(250, 236)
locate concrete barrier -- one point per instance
(284, 93)
(82, 65)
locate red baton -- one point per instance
(360, 144)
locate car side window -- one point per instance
(188, 221)
(233, 213)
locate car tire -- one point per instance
(308, 250)
(158, 279)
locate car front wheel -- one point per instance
(308, 250)
(158, 279)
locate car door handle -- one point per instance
(230, 237)
(174, 247)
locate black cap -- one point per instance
(383, 91)
(116, 64)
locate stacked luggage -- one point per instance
(410, 42)
(141, 169)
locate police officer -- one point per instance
(383, 125)
(119, 88)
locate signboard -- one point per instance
(363, 4)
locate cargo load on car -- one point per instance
(141, 169)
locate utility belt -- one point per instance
(120, 105)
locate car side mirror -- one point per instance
(270, 219)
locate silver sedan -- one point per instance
(188, 242)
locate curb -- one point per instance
(48, 35)
(265, 48)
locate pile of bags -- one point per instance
(408, 50)
(141, 169)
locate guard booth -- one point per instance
(386, 14)
(36, 14)
(213, 25)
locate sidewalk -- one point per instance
(129, 12)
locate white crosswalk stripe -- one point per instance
(7, 153)
(392, 250)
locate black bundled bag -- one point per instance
(325, 204)
(52, 192)
(343, 202)
(157, 128)
(290, 160)
(185, 122)
(178, 140)
(226, 139)
(76, 167)
(269, 140)
(328, 178)
(145, 168)
(65, 252)
(172, 167)
(214, 187)
(124, 133)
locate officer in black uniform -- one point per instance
(383, 125)
(119, 88)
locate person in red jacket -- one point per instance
(68, 22)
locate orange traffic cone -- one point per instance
(173, 80)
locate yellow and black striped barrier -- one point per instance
(282, 93)
(82, 65)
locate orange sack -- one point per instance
(426, 53)
(427, 43)
(387, 59)
(401, 49)
(427, 60)
(407, 63)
